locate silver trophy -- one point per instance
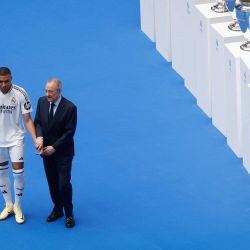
(219, 7)
(243, 16)
(231, 4)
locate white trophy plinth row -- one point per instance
(155, 23)
(233, 97)
(208, 56)
(245, 86)
(188, 59)
(147, 9)
(220, 35)
(163, 28)
(182, 21)
(204, 17)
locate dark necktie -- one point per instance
(51, 111)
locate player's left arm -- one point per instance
(30, 126)
(38, 141)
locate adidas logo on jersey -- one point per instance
(4, 192)
(21, 159)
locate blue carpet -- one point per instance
(150, 172)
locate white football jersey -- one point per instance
(12, 107)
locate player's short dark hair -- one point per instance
(4, 71)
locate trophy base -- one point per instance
(234, 26)
(245, 46)
(219, 8)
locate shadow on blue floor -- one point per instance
(150, 171)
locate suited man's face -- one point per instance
(52, 91)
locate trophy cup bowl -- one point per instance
(231, 4)
(219, 7)
(243, 16)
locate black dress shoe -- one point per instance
(54, 216)
(70, 221)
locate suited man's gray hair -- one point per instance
(56, 81)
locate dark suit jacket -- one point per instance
(61, 130)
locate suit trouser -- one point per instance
(58, 173)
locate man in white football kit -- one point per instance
(15, 108)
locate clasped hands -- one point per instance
(48, 150)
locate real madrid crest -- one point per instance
(13, 100)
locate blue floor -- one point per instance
(150, 172)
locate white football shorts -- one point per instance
(13, 153)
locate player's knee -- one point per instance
(17, 165)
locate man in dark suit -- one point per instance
(55, 123)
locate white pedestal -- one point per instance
(188, 59)
(233, 97)
(148, 18)
(245, 82)
(204, 17)
(182, 32)
(177, 11)
(219, 35)
(163, 28)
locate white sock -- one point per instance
(5, 184)
(18, 184)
